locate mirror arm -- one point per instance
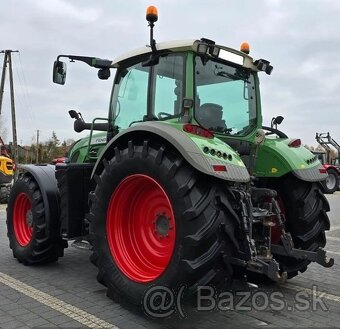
(103, 126)
(91, 61)
(80, 125)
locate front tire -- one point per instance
(158, 222)
(27, 226)
(331, 184)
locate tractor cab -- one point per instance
(193, 81)
(196, 82)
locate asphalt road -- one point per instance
(67, 295)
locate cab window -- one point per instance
(129, 99)
(169, 77)
(129, 102)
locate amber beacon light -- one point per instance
(152, 14)
(245, 47)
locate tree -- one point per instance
(50, 149)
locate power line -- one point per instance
(22, 95)
(26, 93)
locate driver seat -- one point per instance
(210, 115)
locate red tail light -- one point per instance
(295, 143)
(197, 130)
(219, 168)
(323, 171)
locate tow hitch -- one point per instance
(287, 249)
(256, 223)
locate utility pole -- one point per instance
(14, 123)
(37, 146)
(8, 59)
(3, 77)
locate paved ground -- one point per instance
(67, 295)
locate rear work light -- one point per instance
(295, 143)
(197, 130)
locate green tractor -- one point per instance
(181, 183)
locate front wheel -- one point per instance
(27, 226)
(331, 184)
(156, 221)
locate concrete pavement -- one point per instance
(67, 295)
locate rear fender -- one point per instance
(329, 166)
(276, 158)
(188, 145)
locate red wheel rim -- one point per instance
(22, 219)
(140, 228)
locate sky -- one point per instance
(301, 39)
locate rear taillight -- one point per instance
(197, 130)
(323, 171)
(219, 168)
(295, 143)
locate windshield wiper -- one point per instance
(227, 75)
(239, 76)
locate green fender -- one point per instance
(276, 158)
(80, 149)
(195, 150)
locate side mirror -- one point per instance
(59, 72)
(73, 114)
(279, 119)
(276, 121)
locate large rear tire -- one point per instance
(156, 221)
(305, 207)
(27, 226)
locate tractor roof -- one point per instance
(178, 46)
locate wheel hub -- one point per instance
(330, 181)
(162, 225)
